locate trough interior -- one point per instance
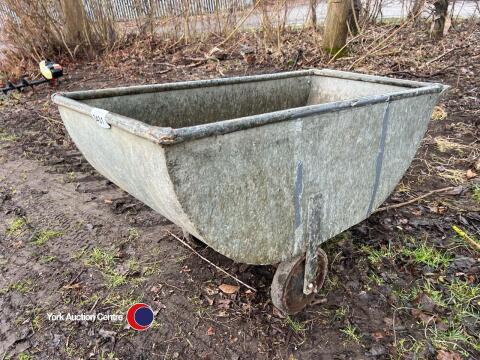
(201, 105)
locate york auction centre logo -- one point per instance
(140, 316)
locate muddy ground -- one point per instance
(402, 284)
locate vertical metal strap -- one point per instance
(380, 155)
(313, 240)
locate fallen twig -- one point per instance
(465, 236)
(208, 261)
(446, 53)
(411, 201)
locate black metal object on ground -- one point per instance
(50, 71)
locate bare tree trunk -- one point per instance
(336, 28)
(354, 16)
(313, 14)
(441, 10)
(77, 25)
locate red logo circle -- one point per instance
(140, 316)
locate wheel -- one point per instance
(287, 285)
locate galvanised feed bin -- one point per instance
(261, 168)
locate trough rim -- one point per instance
(168, 135)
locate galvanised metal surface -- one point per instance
(247, 164)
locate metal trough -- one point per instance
(261, 168)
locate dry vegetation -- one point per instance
(57, 29)
(402, 285)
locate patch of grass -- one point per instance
(332, 282)
(115, 279)
(70, 351)
(460, 302)
(16, 226)
(6, 137)
(453, 339)
(24, 356)
(352, 333)
(70, 177)
(107, 355)
(375, 256)
(464, 295)
(427, 255)
(133, 234)
(36, 319)
(133, 265)
(45, 259)
(409, 348)
(341, 312)
(433, 293)
(295, 325)
(23, 286)
(45, 235)
(89, 300)
(100, 258)
(409, 294)
(476, 193)
(374, 278)
(105, 262)
(198, 308)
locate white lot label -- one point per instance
(100, 117)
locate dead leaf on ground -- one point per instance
(224, 303)
(425, 302)
(378, 335)
(424, 318)
(437, 209)
(211, 331)
(448, 355)
(156, 288)
(388, 321)
(73, 286)
(229, 289)
(471, 174)
(210, 291)
(222, 313)
(441, 326)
